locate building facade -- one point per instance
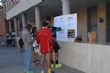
(4, 26)
(92, 16)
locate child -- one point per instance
(35, 47)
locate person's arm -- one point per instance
(29, 38)
(57, 28)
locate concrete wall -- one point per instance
(23, 5)
(89, 58)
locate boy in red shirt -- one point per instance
(45, 39)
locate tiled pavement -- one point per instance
(11, 61)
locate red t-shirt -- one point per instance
(45, 39)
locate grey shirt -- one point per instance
(26, 37)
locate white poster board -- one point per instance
(68, 24)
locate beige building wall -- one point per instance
(101, 27)
(82, 22)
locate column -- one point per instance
(10, 29)
(65, 7)
(24, 20)
(37, 17)
(16, 26)
(19, 28)
(4, 7)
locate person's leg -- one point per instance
(33, 57)
(42, 63)
(36, 58)
(57, 58)
(25, 58)
(7, 42)
(52, 63)
(48, 57)
(29, 58)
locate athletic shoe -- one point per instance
(42, 71)
(58, 65)
(34, 63)
(52, 65)
(25, 71)
(37, 61)
(51, 72)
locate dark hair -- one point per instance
(44, 24)
(33, 29)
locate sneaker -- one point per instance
(37, 61)
(42, 71)
(25, 71)
(58, 65)
(52, 65)
(51, 72)
(31, 71)
(34, 63)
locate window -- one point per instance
(92, 19)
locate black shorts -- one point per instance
(56, 47)
(55, 50)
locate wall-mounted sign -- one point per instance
(101, 20)
(68, 24)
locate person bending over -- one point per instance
(55, 48)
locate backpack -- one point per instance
(21, 44)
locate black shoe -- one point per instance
(37, 61)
